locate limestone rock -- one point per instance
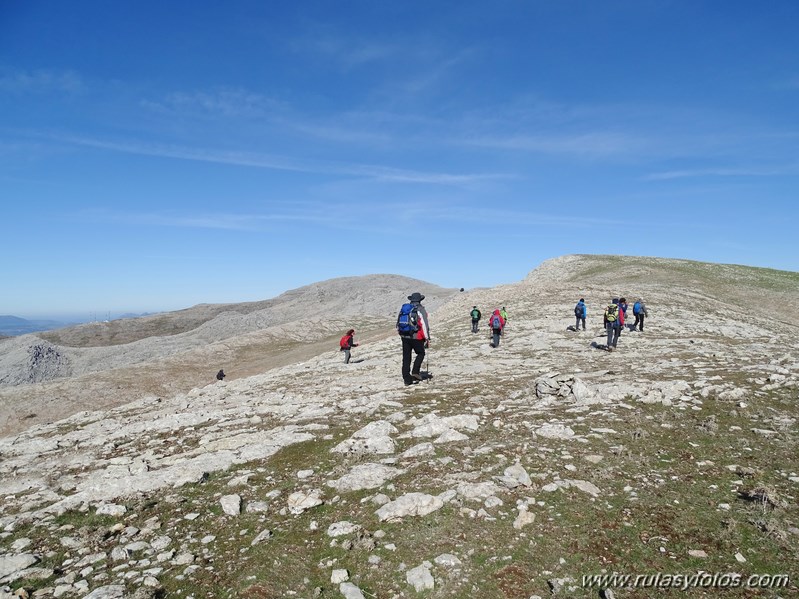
(114, 591)
(339, 576)
(231, 504)
(364, 476)
(14, 563)
(523, 519)
(420, 578)
(411, 504)
(300, 501)
(350, 591)
(338, 529)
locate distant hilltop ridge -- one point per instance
(51, 375)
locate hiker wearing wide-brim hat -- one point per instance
(414, 330)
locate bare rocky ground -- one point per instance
(52, 375)
(513, 472)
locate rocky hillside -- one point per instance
(105, 364)
(546, 466)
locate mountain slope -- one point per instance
(105, 364)
(513, 472)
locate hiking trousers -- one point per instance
(579, 320)
(497, 333)
(408, 346)
(614, 331)
(346, 356)
(474, 325)
(640, 321)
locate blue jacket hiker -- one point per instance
(414, 330)
(640, 313)
(580, 313)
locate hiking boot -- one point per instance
(417, 376)
(411, 382)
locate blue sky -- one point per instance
(155, 155)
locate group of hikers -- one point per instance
(497, 323)
(614, 318)
(413, 328)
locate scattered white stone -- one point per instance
(477, 491)
(420, 450)
(447, 560)
(303, 474)
(114, 591)
(238, 481)
(697, 553)
(111, 509)
(160, 543)
(20, 544)
(231, 504)
(339, 576)
(339, 529)
(555, 431)
(300, 501)
(518, 473)
(523, 519)
(420, 578)
(373, 438)
(350, 591)
(14, 563)
(364, 476)
(184, 559)
(739, 556)
(411, 504)
(262, 536)
(451, 436)
(257, 506)
(492, 502)
(192, 516)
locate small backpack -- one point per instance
(345, 342)
(612, 313)
(578, 310)
(475, 314)
(408, 320)
(496, 322)
(637, 308)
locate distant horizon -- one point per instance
(83, 317)
(155, 157)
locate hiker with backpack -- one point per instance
(476, 315)
(346, 344)
(614, 321)
(580, 313)
(639, 311)
(497, 324)
(504, 314)
(414, 330)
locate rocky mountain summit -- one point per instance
(545, 466)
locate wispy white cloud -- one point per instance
(224, 221)
(225, 102)
(722, 172)
(40, 81)
(268, 161)
(581, 144)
